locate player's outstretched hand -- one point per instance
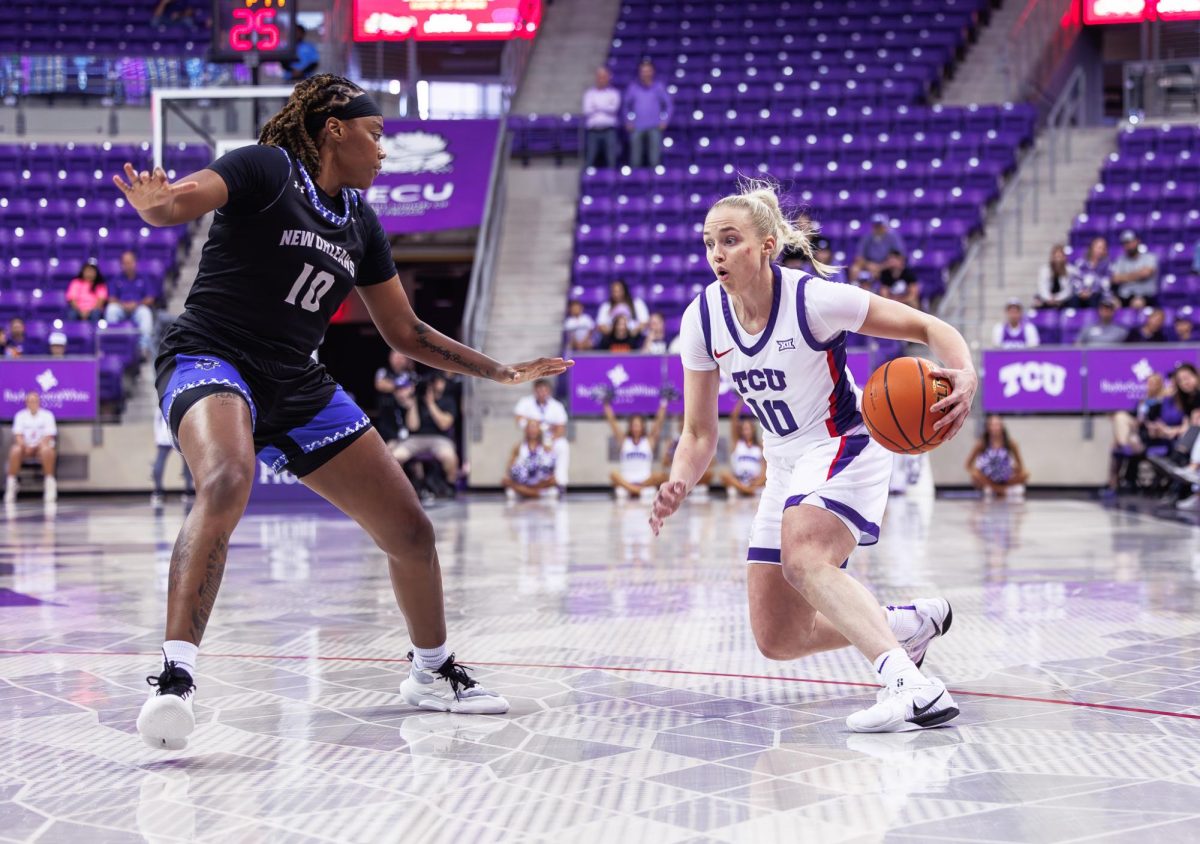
(531, 370)
(670, 496)
(146, 190)
(964, 383)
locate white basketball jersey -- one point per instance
(637, 460)
(746, 460)
(793, 375)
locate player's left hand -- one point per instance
(956, 406)
(531, 370)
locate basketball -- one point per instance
(896, 402)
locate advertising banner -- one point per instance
(1116, 378)
(284, 486)
(435, 175)
(445, 20)
(67, 386)
(1032, 381)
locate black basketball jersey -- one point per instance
(281, 257)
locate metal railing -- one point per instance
(1036, 44)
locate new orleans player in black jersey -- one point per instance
(237, 380)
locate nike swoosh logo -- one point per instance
(918, 711)
(722, 354)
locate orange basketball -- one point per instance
(896, 402)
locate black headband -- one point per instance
(359, 106)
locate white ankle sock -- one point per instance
(894, 665)
(426, 658)
(182, 654)
(903, 620)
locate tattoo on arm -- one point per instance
(427, 339)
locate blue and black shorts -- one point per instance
(301, 418)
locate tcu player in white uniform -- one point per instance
(635, 474)
(780, 335)
(748, 470)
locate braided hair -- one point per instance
(311, 97)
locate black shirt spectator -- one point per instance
(1150, 331)
(898, 281)
(396, 384)
(620, 339)
(14, 347)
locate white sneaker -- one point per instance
(936, 617)
(166, 719)
(731, 493)
(450, 689)
(156, 500)
(510, 495)
(902, 708)
(50, 489)
(10, 490)
(699, 492)
(1192, 502)
(620, 493)
(648, 493)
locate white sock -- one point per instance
(427, 658)
(903, 620)
(894, 666)
(182, 654)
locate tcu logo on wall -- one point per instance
(1033, 377)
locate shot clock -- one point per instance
(254, 30)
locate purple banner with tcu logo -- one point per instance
(435, 175)
(636, 382)
(1116, 378)
(67, 386)
(1032, 380)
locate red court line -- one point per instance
(626, 669)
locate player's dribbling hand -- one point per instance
(147, 190)
(531, 370)
(956, 406)
(670, 496)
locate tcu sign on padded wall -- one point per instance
(435, 175)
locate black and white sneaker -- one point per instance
(936, 617)
(449, 688)
(900, 708)
(166, 719)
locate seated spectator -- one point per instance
(620, 339)
(995, 463)
(430, 419)
(655, 340)
(578, 328)
(551, 416)
(1015, 332)
(601, 113)
(1091, 281)
(1105, 332)
(1151, 329)
(308, 57)
(647, 112)
(1056, 282)
(635, 474)
(58, 344)
(897, 281)
(822, 253)
(14, 346)
(396, 383)
(87, 294)
(620, 302)
(532, 467)
(1185, 389)
(1135, 273)
(1189, 473)
(1134, 432)
(34, 438)
(747, 472)
(1182, 331)
(875, 246)
(131, 298)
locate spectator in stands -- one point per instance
(1151, 329)
(601, 114)
(532, 467)
(747, 472)
(1056, 282)
(1134, 432)
(995, 463)
(15, 346)
(620, 340)
(58, 344)
(1196, 259)
(1182, 330)
(549, 413)
(1105, 332)
(396, 384)
(1190, 472)
(430, 420)
(87, 294)
(1135, 273)
(875, 246)
(635, 475)
(1185, 389)
(578, 328)
(177, 12)
(822, 253)
(647, 113)
(163, 446)
(34, 438)
(1092, 280)
(620, 302)
(308, 58)
(1015, 332)
(898, 281)
(132, 298)
(654, 342)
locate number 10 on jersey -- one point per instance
(321, 284)
(774, 415)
